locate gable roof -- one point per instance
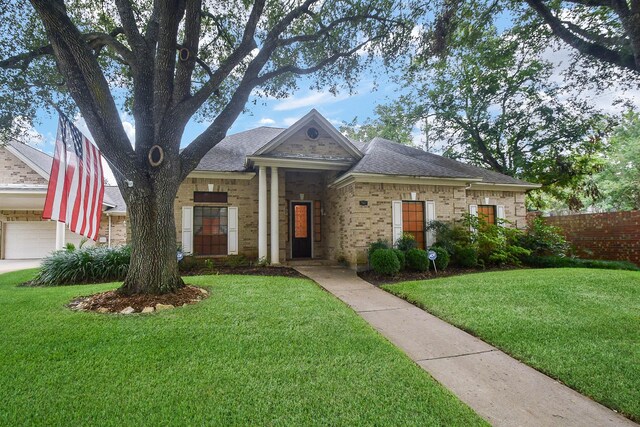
(41, 162)
(311, 116)
(377, 157)
(229, 154)
(37, 160)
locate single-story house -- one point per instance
(306, 191)
(24, 175)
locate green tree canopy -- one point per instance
(167, 61)
(619, 181)
(489, 100)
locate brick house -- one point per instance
(24, 175)
(307, 191)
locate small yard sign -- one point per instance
(432, 256)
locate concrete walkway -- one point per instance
(499, 388)
(7, 265)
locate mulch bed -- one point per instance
(406, 276)
(113, 302)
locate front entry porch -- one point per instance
(293, 214)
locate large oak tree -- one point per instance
(167, 61)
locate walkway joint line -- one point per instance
(456, 355)
(380, 309)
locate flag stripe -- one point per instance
(76, 185)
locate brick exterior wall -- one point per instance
(15, 171)
(303, 146)
(354, 226)
(119, 229)
(347, 227)
(608, 236)
(513, 202)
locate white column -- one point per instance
(275, 219)
(60, 230)
(262, 213)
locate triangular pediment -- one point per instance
(311, 137)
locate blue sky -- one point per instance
(272, 112)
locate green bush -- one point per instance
(417, 260)
(563, 262)
(465, 256)
(449, 236)
(402, 259)
(379, 244)
(544, 240)
(84, 265)
(385, 261)
(235, 261)
(406, 242)
(442, 261)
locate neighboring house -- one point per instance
(309, 192)
(24, 175)
(302, 192)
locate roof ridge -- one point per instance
(31, 147)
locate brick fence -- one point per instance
(611, 235)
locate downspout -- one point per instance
(109, 232)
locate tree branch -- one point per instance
(95, 41)
(130, 27)
(294, 69)
(188, 106)
(585, 47)
(86, 84)
(185, 67)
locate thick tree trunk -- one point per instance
(154, 266)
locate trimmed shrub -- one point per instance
(379, 244)
(568, 262)
(417, 260)
(85, 265)
(406, 242)
(401, 258)
(442, 261)
(385, 261)
(465, 256)
(544, 240)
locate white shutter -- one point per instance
(187, 229)
(396, 219)
(232, 230)
(500, 214)
(473, 211)
(431, 216)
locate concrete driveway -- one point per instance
(7, 265)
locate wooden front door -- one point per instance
(301, 229)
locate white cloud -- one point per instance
(288, 121)
(309, 101)
(24, 132)
(608, 102)
(266, 121)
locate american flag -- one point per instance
(76, 182)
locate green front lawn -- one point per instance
(259, 351)
(580, 326)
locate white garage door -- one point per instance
(33, 239)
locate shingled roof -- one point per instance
(42, 161)
(381, 156)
